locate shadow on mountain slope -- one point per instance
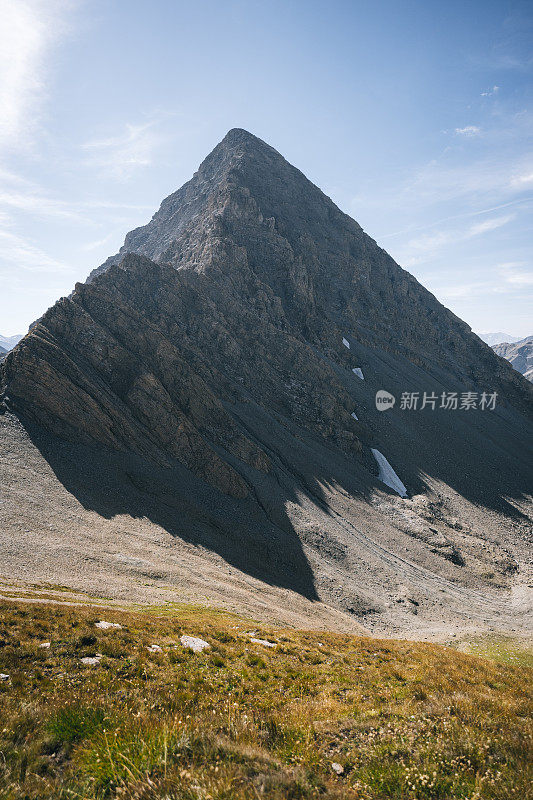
(485, 456)
(254, 535)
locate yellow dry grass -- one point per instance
(243, 721)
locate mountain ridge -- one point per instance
(519, 354)
(497, 338)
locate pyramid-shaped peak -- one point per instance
(235, 145)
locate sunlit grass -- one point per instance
(503, 649)
(241, 721)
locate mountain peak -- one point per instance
(239, 159)
(238, 136)
(235, 145)
(219, 379)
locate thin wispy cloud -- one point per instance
(461, 291)
(17, 194)
(468, 130)
(17, 251)
(417, 249)
(522, 181)
(454, 217)
(488, 225)
(120, 156)
(95, 245)
(29, 30)
(517, 274)
(506, 279)
(490, 92)
(479, 183)
(38, 205)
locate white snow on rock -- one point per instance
(264, 642)
(106, 625)
(387, 474)
(359, 372)
(154, 648)
(194, 644)
(3, 676)
(346, 343)
(354, 415)
(90, 661)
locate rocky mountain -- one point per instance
(200, 414)
(497, 338)
(519, 354)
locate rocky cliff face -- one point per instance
(244, 308)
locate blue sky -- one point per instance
(415, 117)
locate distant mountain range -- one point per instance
(520, 354)
(498, 338)
(7, 343)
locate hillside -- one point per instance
(261, 712)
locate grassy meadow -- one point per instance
(320, 715)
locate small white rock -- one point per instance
(338, 768)
(45, 645)
(105, 625)
(154, 648)
(346, 343)
(354, 415)
(3, 676)
(194, 644)
(90, 661)
(264, 642)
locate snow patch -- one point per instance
(103, 625)
(45, 645)
(359, 372)
(354, 415)
(387, 474)
(154, 648)
(194, 644)
(346, 343)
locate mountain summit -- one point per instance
(216, 380)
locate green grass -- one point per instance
(407, 721)
(503, 649)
